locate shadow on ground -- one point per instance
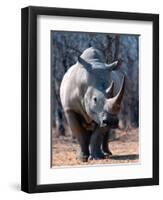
(125, 157)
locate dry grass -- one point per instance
(124, 147)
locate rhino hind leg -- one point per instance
(80, 133)
(105, 145)
(95, 146)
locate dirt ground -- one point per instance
(124, 146)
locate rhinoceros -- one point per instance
(91, 93)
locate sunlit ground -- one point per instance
(125, 149)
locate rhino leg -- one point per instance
(80, 133)
(105, 145)
(95, 145)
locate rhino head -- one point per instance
(99, 102)
(102, 106)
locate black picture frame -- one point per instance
(29, 98)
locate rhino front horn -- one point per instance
(115, 102)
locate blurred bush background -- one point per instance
(67, 46)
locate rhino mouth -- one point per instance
(110, 120)
(112, 123)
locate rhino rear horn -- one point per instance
(115, 102)
(109, 91)
(112, 66)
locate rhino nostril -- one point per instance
(105, 121)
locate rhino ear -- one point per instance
(112, 66)
(84, 63)
(109, 91)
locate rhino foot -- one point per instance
(97, 156)
(83, 158)
(107, 154)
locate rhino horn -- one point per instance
(115, 102)
(109, 90)
(112, 66)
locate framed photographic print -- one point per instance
(90, 99)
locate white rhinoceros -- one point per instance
(87, 96)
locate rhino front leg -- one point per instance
(105, 145)
(80, 133)
(95, 145)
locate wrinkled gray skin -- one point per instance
(88, 98)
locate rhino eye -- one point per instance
(95, 99)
